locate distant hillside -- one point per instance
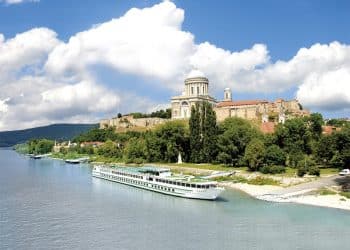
(53, 132)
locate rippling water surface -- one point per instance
(47, 204)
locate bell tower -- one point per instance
(227, 94)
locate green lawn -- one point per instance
(345, 194)
(326, 191)
(215, 167)
(329, 171)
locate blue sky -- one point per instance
(226, 31)
(284, 25)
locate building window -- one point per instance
(203, 90)
(197, 90)
(191, 90)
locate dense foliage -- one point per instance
(298, 143)
(166, 114)
(203, 133)
(40, 146)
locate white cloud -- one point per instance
(3, 105)
(147, 42)
(329, 90)
(29, 49)
(224, 67)
(83, 96)
(48, 80)
(9, 2)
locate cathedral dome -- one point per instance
(195, 73)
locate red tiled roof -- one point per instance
(327, 130)
(267, 127)
(240, 103)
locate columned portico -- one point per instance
(196, 90)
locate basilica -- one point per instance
(197, 90)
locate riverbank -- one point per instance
(285, 188)
(306, 196)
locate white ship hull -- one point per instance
(186, 192)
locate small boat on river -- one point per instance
(77, 161)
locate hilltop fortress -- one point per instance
(197, 90)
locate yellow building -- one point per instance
(196, 90)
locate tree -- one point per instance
(254, 154)
(293, 136)
(40, 146)
(174, 137)
(110, 149)
(294, 157)
(307, 164)
(315, 121)
(153, 147)
(167, 141)
(325, 149)
(234, 136)
(209, 133)
(274, 155)
(97, 134)
(342, 146)
(195, 134)
(135, 151)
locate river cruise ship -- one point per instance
(160, 180)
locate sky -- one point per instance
(80, 61)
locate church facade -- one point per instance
(197, 90)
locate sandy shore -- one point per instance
(268, 193)
(332, 201)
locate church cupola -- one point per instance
(196, 84)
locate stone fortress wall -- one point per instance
(128, 121)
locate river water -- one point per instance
(47, 204)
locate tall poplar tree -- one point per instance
(195, 134)
(203, 133)
(209, 133)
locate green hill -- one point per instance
(53, 132)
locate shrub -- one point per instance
(275, 155)
(263, 181)
(314, 170)
(301, 171)
(345, 194)
(139, 160)
(325, 191)
(272, 169)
